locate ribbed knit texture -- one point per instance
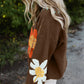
(51, 45)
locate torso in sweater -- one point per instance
(46, 50)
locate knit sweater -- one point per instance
(46, 50)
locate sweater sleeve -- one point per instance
(47, 39)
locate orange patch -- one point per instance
(32, 41)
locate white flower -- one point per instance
(39, 71)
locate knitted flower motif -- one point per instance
(39, 71)
(32, 41)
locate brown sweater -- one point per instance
(46, 50)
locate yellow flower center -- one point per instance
(39, 72)
(32, 41)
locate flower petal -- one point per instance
(39, 81)
(34, 78)
(32, 72)
(36, 62)
(43, 64)
(45, 70)
(43, 78)
(32, 65)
